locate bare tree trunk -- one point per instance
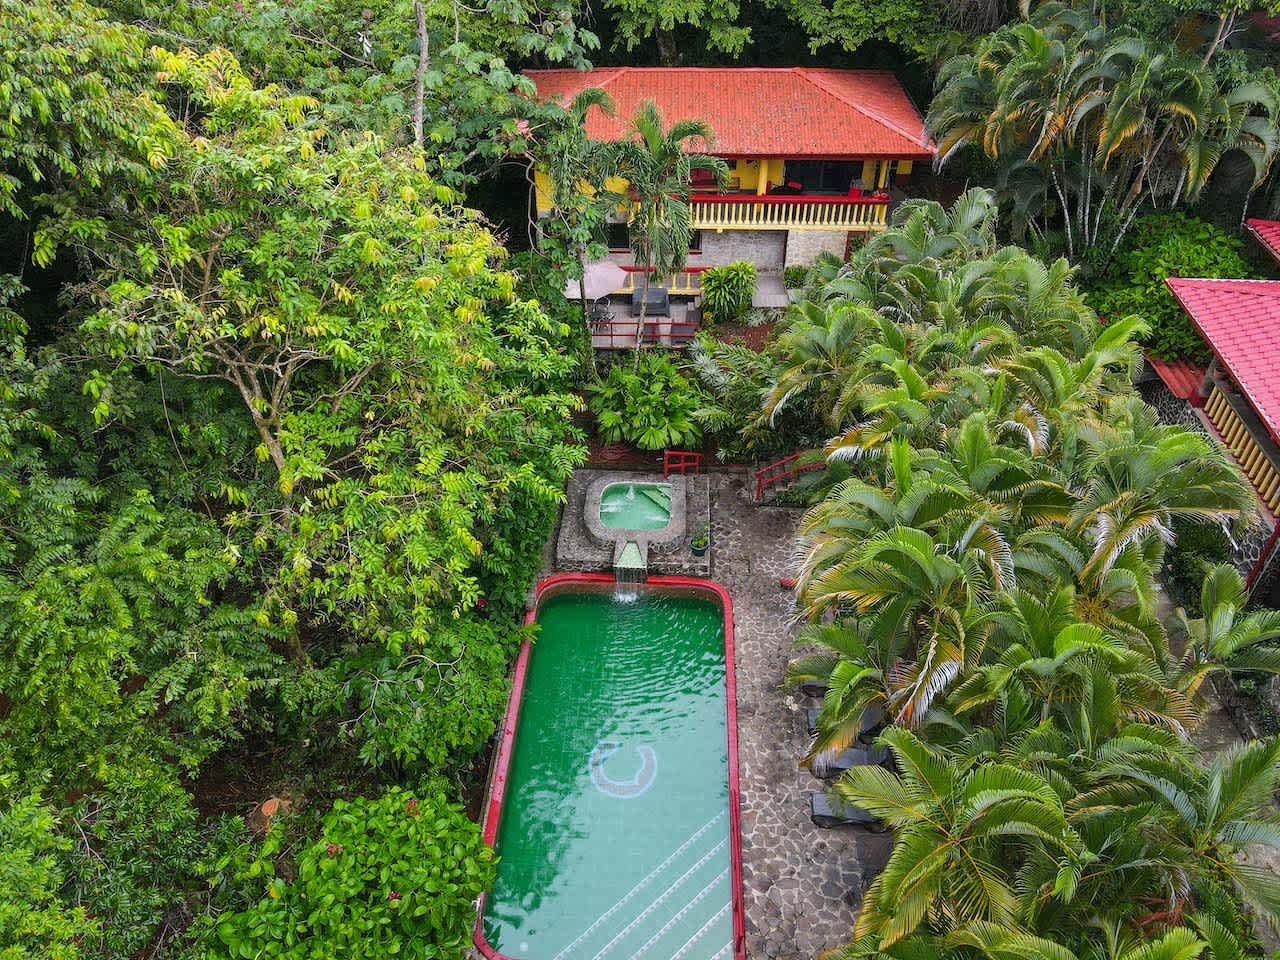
(420, 75)
(668, 54)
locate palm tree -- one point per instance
(1225, 638)
(1139, 476)
(1105, 116)
(658, 164)
(959, 829)
(1207, 817)
(578, 168)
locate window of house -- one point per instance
(618, 237)
(822, 176)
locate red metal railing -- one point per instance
(788, 468)
(681, 462)
(658, 331)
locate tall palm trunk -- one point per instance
(644, 310)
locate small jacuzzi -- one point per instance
(626, 505)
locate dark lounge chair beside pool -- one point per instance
(827, 811)
(872, 721)
(826, 768)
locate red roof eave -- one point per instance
(1241, 382)
(761, 112)
(1267, 233)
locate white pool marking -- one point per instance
(644, 914)
(684, 911)
(639, 886)
(622, 789)
(688, 944)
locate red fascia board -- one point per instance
(502, 763)
(1221, 359)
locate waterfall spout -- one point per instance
(629, 572)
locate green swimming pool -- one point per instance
(615, 831)
(636, 506)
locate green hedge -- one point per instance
(1159, 246)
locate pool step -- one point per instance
(680, 910)
(658, 497)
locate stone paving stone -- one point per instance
(802, 885)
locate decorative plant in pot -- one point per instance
(701, 539)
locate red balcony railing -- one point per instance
(658, 332)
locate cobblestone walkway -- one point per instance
(802, 884)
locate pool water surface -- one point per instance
(615, 831)
(636, 506)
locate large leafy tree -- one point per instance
(376, 66)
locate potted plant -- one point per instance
(701, 539)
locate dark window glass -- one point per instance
(616, 236)
(822, 176)
(695, 241)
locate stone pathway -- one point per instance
(802, 884)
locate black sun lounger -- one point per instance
(827, 811)
(825, 768)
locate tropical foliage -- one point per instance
(658, 164)
(651, 405)
(280, 442)
(986, 579)
(1086, 121)
(1163, 245)
(727, 290)
(392, 876)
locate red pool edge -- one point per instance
(502, 762)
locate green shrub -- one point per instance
(651, 406)
(34, 923)
(795, 277)
(135, 841)
(727, 291)
(1159, 246)
(1196, 547)
(392, 877)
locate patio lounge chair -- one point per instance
(872, 721)
(825, 768)
(827, 811)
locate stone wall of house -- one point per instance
(765, 248)
(803, 246)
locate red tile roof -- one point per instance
(1240, 320)
(760, 112)
(1268, 234)
(1182, 377)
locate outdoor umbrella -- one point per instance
(600, 279)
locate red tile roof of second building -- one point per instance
(1240, 320)
(760, 112)
(1268, 234)
(1182, 377)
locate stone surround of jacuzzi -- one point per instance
(585, 543)
(650, 542)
